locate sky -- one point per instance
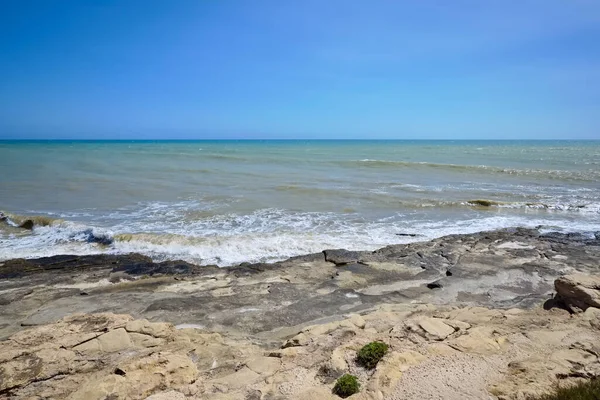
(311, 69)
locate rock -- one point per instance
(457, 325)
(479, 340)
(390, 370)
(338, 360)
(436, 328)
(578, 291)
(264, 365)
(341, 256)
(154, 329)
(358, 321)
(141, 340)
(300, 339)
(593, 316)
(475, 315)
(435, 285)
(230, 322)
(27, 224)
(141, 377)
(170, 395)
(243, 377)
(116, 340)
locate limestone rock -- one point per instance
(578, 291)
(475, 315)
(115, 340)
(593, 316)
(479, 340)
(436, 328)
(264, 365)
(141, 377)
(358, 321)
(390, 370)
(170, 395)
(154, 329)
(338, 360)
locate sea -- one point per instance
(228, 202)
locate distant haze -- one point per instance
(272, 69)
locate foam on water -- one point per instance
(262, 236)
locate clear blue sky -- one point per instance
(147, 69)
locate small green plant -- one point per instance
(346, 386)
(588, 390)
(371, 354)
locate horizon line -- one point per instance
(291, 140)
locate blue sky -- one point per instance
(300, 69)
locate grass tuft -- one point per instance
(371, 354)
(346, 386)
(588, 390)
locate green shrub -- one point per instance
(346, 385)
(588, 390)
(371, 354)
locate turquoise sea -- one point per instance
(227, 202)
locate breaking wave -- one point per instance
(262, 236)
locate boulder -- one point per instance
(578, 292)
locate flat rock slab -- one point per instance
(436, 328)
(506, 268)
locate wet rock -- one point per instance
(27, 224)
(100, 238)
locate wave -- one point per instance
(35, 220)
(272, 234)
(59, 229)
(484, 203)
(587, 176)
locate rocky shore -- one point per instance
(466, 317)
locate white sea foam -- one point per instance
(262, 236)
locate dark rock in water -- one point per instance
(435, 285)
(103, 239)
(448, 273)
(27, 224)
(407, 234)
(341, 256)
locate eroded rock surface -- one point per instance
(287, 330)
(506, 268)
(442, 352)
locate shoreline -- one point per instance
(502, 268)
(467, 302)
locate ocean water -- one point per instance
(226, 202)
